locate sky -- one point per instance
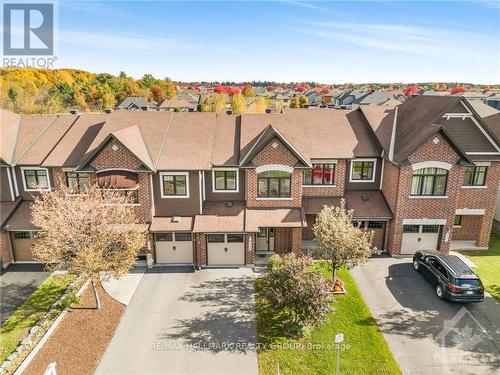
(327, 42)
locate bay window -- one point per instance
(475, 176)
(320, 174)
(429, 182)
(274, 184)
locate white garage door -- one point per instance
(419, 237)
(174, 248)
(226, 249)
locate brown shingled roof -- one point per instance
(21, 218)
(167, 224)
(9, 125)
(493, 123)
(217, 218)
(273, 217)
(369, 204)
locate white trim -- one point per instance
(71, 170)
(474, 187)
(319, 186)
(35, 169)
(483, 153)
(13, 170)
(393, 135)
(323, 161)
(9, 177)
(111, 169)
(431, 164)
(374, 160)
(424, 221)
(174, 174)
(470, 211)
(203, 185)
(274, 167)
(273, 199)
(200, 192)
(153, 208)
(382, 172)
(233, 169)
(428, 197)
(482, 163)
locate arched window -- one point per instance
(429, 182)
(274, 184)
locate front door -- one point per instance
(265, 239)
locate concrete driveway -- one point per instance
(17, 282)
(425, 334)
(185, 322)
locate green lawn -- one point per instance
(488, 265)
(35, 307)
(366, 351)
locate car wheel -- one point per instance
(416, 265)
(439, 291)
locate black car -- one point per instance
(451, 277)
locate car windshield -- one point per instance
(468, 283)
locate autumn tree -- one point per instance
(338, 240)
(303, 100)
(295, 102)
(157, 94)
(94, 234)
(238, 104)
(260, 105)
(218, 103)
(248, 91)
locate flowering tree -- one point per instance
(457, 89)
(94, 235)
(300, 294)
(339, 241)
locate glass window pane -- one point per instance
(469, 172)
(273, 187)
(21, 235)
(43, 181)
(262, 232)
(274, 174)
(262, 187)
(430, 228)
(427, 185)
(215, 238)
(357, 168)
(231, 180)
(415, 185)
(163, 236)
(375, 224)
(235, 238)
(285, 187)
(168, 185)
(307, 175)
(439, 185)
(328, 173)
(410, 228)
(180, 184)
(368, 170)
(318, 174)
(219, 181)
(183, 236)
(458, 220)
(30, 180)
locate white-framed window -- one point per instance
(321, 174)
(225, 180)
(362, 170)
(174, 184)
(35, 178)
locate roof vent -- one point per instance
(229, 112)
(176, 219)
(74, 111)
(365, 198)
(108, 110)
(229, 204)
(144, 108)
(268, 110)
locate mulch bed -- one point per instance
(79, 342)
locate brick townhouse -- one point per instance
(219, 189)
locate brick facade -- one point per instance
(307, 233)
(406, 207)
(250, 239)
(329, 191)
(274, 155)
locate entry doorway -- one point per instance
(265, 239)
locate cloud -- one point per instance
(433, 43)
(308, 5)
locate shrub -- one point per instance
(301, 295)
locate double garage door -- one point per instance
(225, 249)
(174, 248)
(420, 237)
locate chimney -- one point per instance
(108, 110)
(268, 110)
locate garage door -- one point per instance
(419, 237)
(174, 248)
(225, 249)
(21, 245)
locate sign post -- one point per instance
(339, 338)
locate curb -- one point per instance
(24, 364)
